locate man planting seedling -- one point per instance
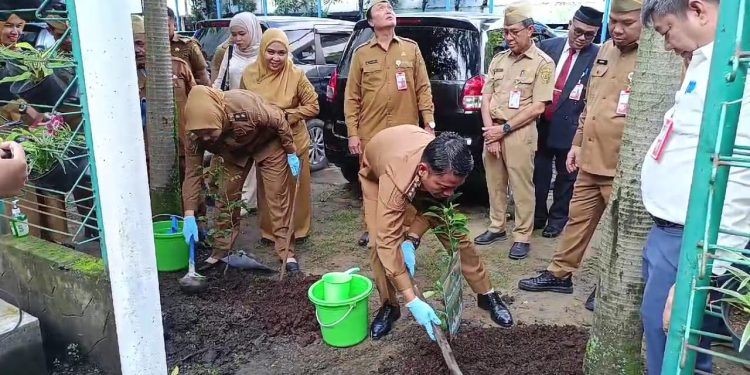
(402, 165)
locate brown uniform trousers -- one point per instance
(599, 135)
(389, 185)
(253, 131)
(183, 81)
(189, 50)
(531, 74)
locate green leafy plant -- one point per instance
(217, 177)
(737, 295)
(453, 226)
(46, 146)
(33, 65)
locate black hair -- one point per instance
(449, 152)
(171, 15)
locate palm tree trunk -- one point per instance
(162, 149)
(615, 343)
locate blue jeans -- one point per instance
(661, 255)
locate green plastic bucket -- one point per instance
(343, 323)
(336, 286)
(172, 252)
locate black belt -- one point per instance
(661, 223)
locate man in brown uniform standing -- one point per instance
(519, 86)
(388, 84)
(400, 164)
(187, 49)
(182, 79)
(596, 148)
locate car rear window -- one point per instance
(451, 54)
(210, 38)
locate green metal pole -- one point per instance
(726, 84)
(87, 123)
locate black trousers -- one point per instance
(557, 214)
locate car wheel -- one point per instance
(317, 151)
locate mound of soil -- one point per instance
(236, 310)
(531, 349)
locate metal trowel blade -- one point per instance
(245, 261)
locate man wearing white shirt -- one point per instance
(689, 29)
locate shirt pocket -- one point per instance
(373, 77)
(526, 86)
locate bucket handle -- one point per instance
(168, 215)
(351, 307)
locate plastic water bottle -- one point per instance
(19, 223)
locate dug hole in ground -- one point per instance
(248, 324)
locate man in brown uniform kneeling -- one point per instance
(399, 164)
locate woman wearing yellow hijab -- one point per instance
(275, 78)
(239, 128)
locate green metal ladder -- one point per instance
(716, 153)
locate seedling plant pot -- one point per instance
(8, 70)
(735, 320)
(45, 92)
(63, 176)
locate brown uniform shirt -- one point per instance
(373, 101)
(251, 129)
(531, 74)
(189, 50)
(600, 128)
(183, 81)
(391, 160)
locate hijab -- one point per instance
(204, 109)
(249, 22)
(276, 87)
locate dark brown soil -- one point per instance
(532, 349)
(738, 320)
(236, 310)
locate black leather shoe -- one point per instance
(383, 321)
(519, 250)
(292, 267)
(499, 313)
(364, 239)
(539, 225)
(547, 282)
(551, 232)
(591, 301)
(488, 237)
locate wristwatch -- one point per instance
(507, 128)
(414, 240)
(23, 107)
(431, 124)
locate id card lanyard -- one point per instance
(623, 105)
(514, 100)
(575, 94)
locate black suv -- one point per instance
(317, 45)
(457, 48)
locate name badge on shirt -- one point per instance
(622, 103)
(575, 94)
(660, 143)
(401, 81)
(514, 101)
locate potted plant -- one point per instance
(735, 309)
(35, 80)
(56, 155)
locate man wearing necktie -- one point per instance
(574, 55)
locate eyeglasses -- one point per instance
(586, 34)
(515, 33)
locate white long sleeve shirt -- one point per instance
(665, 183)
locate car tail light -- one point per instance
(408, 21)
(472, 95)
(331, 88)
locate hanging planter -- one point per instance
(735, 309)
(55, 154)
(45, 92)
(36, 80)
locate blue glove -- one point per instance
(293, 161)
(190, 229)
(410, 258)
(424, 315)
